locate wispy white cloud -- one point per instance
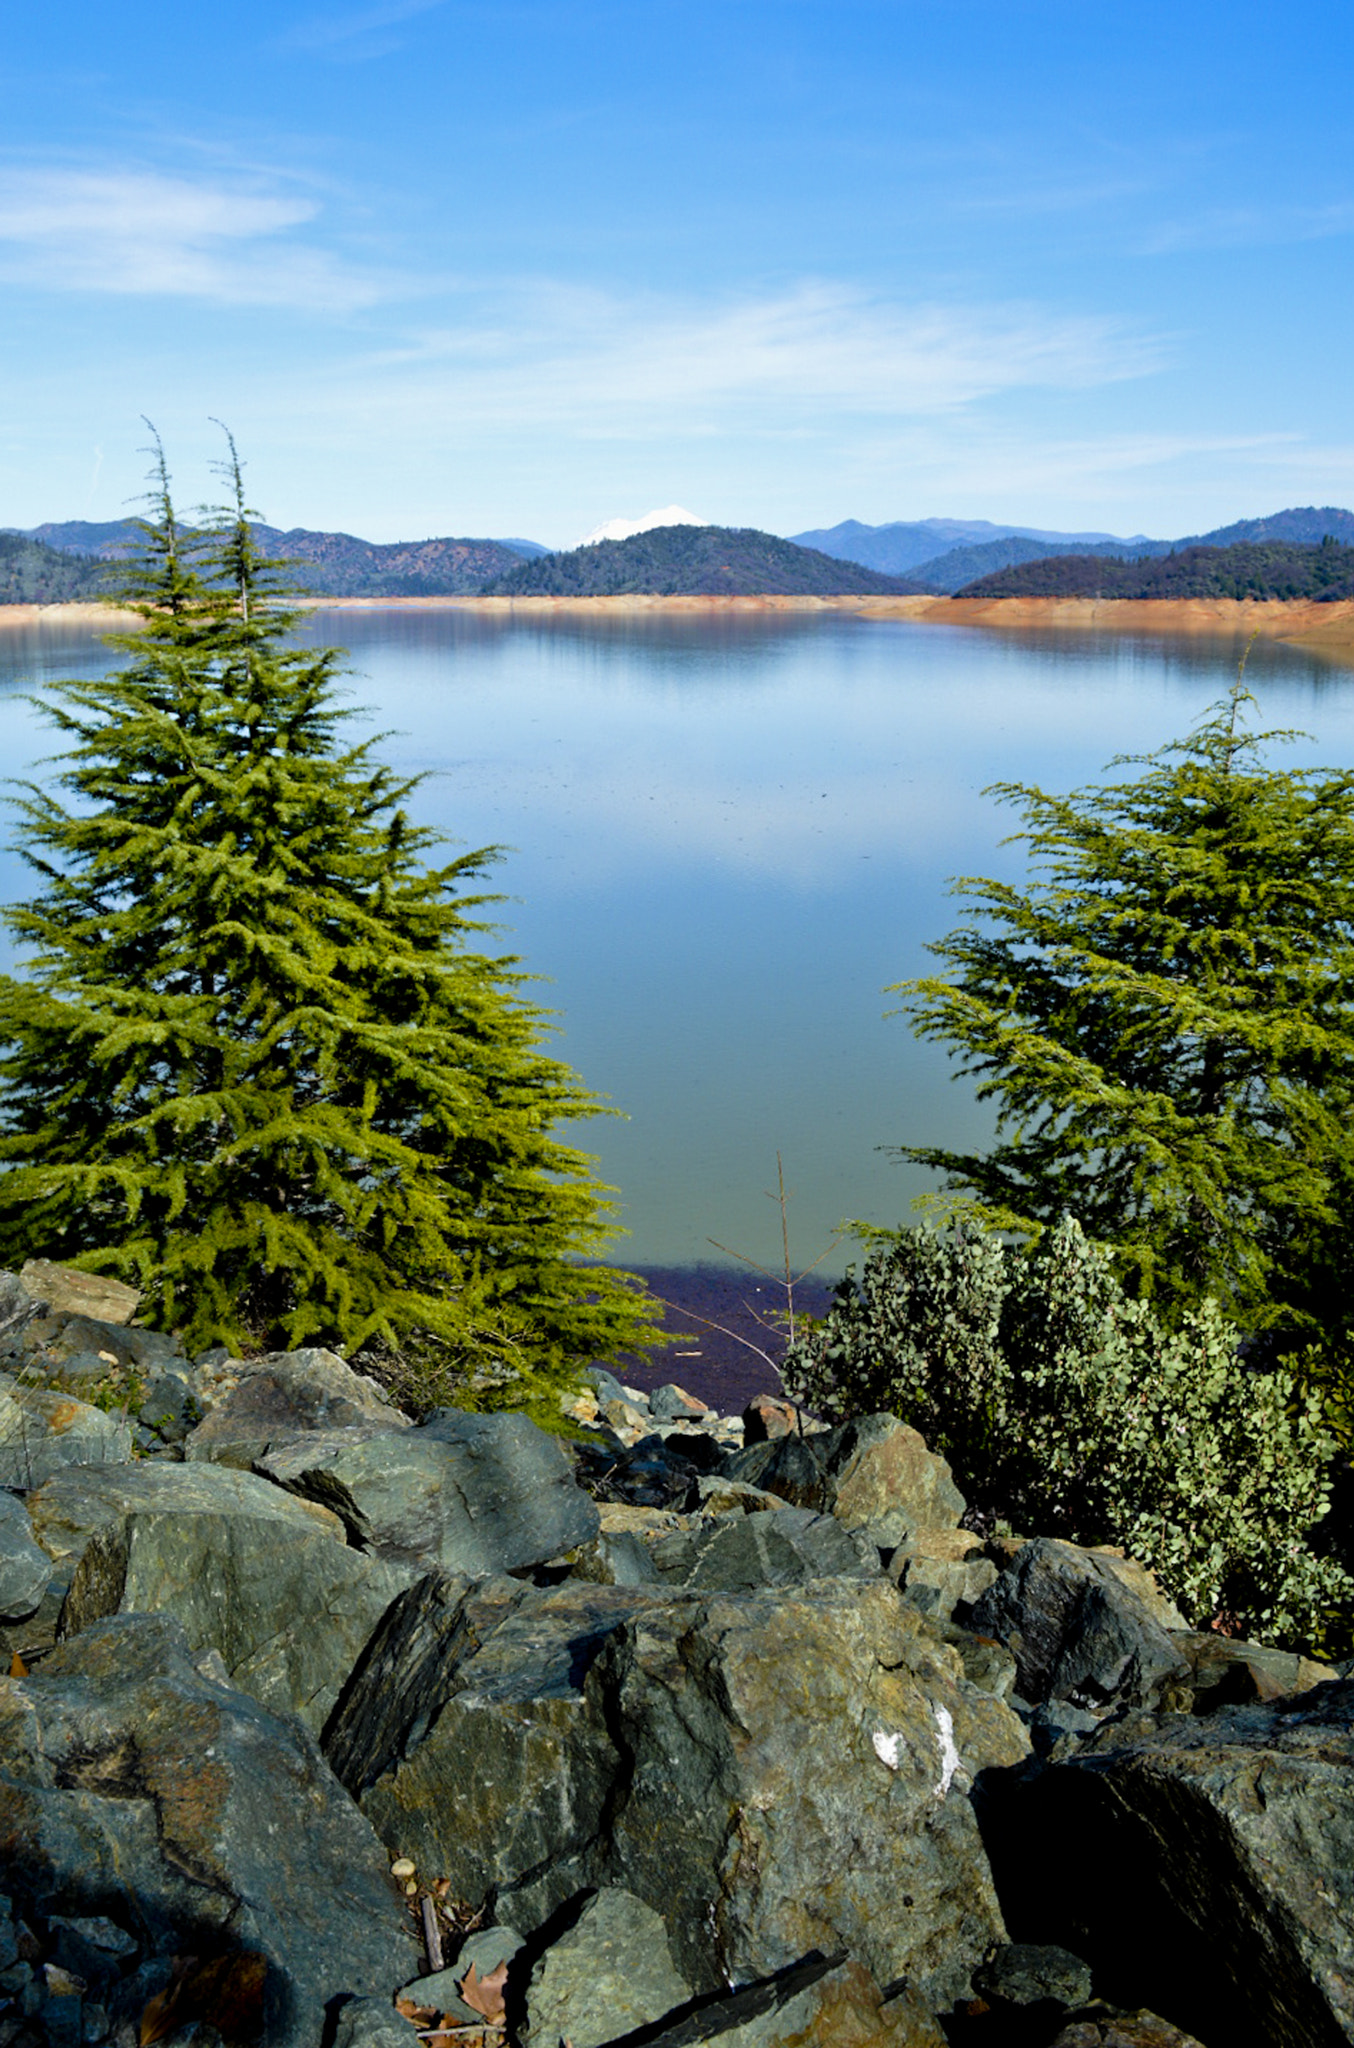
(1243, 227)
(143, 232)
(612, 366)
(366, 32)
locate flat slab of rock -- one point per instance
(1124, 2030)
(75, 1503)
(42, 1431)
(1077, 1630)
(285, 1395)
(65, 1290)
(1215, 1857)
(610, 1974)
(461, 1493)
(134, 1790)
(875, 1475)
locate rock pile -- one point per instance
(325, 1725)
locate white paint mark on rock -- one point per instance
(888, 1748)
(949, 1755)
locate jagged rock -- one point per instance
(41, 1431)
(169, 1408)
(824, 2003)
(759, 1842)
(875, 1475)
(717, 1496)
(1226, 1673)
(1077, 1631)
(765, 1418)
(284, 1395)
(1124, 2030)
(25, 1570)
(461, 1493)
(288, 1609)
(781, 1548)
(609, 1974)
(1033, 1973)
(673, 1404)
(985, 1662)
(17, 1310)
(135, 1790)
(1203, 1866)
(466, 1737)
(66, 1291)
(939, 1570)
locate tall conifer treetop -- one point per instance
(1165, 1020)
(257, 1064)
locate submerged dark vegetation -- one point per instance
(263, 1064)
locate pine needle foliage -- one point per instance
(1165, 1018)
(257, 1064)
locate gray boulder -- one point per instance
(781, 1547)
(41, 1431)
(1077, 1631)
(462, 1493)
(287, 1607)
(133, 1789)
(941, 1570)
(760, 1734)
(1205, 1866)
(875, 1475)
(25, 1570)
(285, 1395)
(608, 1975)
(1123, 2030)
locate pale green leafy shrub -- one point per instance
(1067, 1409)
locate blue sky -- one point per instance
(518, 268)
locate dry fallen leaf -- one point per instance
(485, 1994)
(225, 1991)
(421, 2015)
(17, 1667)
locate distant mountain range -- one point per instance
(75, 559)
(903, 546)
(695, 561)
(329, 564)
(945, 555)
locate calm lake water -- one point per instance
(724, 836)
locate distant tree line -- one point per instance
(696, 561)
(1265, 569)
(31, 573)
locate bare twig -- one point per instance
(432, 1933)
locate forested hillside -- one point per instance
(31, 573)
(1250, 570)
(695, 561)
(328, 564)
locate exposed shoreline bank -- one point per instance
(1325, 628)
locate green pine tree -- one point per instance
(1165, 1020)
(257, 1064)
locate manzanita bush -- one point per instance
(1068, 1409)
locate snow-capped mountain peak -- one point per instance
(621, 529)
